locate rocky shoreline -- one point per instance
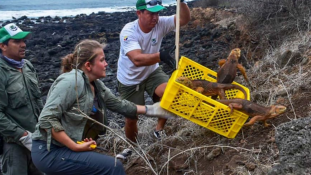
(53, 38)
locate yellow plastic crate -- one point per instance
(199, 108)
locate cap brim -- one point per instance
(21, 35)
(156, 8)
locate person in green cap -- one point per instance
(138, 64)
(20, 103)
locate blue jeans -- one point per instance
(63, 161)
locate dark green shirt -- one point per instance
(20, 102)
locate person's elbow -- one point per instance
(136, 58)
(185, 21)
(137, 62)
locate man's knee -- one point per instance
(159, 91)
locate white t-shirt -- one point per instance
(132, 38)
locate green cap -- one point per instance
(145, 5)
(11, 31)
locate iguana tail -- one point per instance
(234, 86)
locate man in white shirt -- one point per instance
(138, 65)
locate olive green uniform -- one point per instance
(20, 107)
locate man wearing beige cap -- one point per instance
(138, 64)
(20, 103)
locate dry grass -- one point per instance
(276, 82)
(147, 144)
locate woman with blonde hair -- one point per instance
(61, 125)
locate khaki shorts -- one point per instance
(135, 93)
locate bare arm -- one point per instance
(63, 138)
(140, 59)
(141, 109)
(184, 14)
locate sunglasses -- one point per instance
(153, 2)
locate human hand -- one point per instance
(155, 110)
(26, 140)
(86, 145)
(166, 57)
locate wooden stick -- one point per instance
(177, 32)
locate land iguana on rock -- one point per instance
(209, 88)
(228, 68)
(256, 111)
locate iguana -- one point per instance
(209, 88)
(228, 68)
(256, 111)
